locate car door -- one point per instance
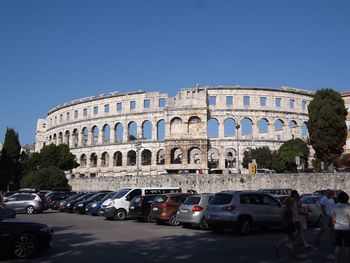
(14, 202)
(273, 210)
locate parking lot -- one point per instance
(90, 239)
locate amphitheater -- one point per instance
(200, 130)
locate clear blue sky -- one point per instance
(52, 52)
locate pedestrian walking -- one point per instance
(327, 205)
(341, 221)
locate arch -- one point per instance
(213, 128)
(83, 160)
(66, 137)
(60, 138)
(194, 156)
(263, 125)
(93, 160)
(104, 159)
(50, 138)
(279, 125)
(176, 156)
(194, 125)
(230, 158)
(176, 126)
(147, 130)
(161, 130)
(213, 158)
(292, 126)
(94, 135)
(247, 126)
(131, 158)
(75, 137)
(118, 132)
(54, 140)
(304, 130)
(229, 127)
(146, 157)
(84, 136)
(132, 131)
(117, 159)
(161, 157)
(106, 134)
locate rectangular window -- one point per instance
(132, 105)
(291, 103)
(55, 119)
(61, 117)
(146, 104)
(67, 116)
(303, 104)
(95, 110)
(76, 114)
(212, 100)
(229, 100)
(161, 102)
(262, 101)
(106, 108)
(119, 106)
(246, 100)
(278, 102)
(85, 112)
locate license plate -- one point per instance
(132, 207)
(155, 208)
(184, 210)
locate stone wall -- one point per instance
(209, 183)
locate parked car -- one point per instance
(54, 198)
(63, 203)
(192, 211)
(243, 210)
(6, 212)
(165, 207)
(140, 207)
(24, 239)
(70, 204)
(94, 207)
(25, 202)
(80, 206)
(312, 204)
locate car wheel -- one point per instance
(30, 209)
(25, 246)
(244, 225)
(203, 224)
(173, 221)
(55, 206)
(120, 215)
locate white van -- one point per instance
(118, 207)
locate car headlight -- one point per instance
(80, 205)
(94, 205)
(68, 205)
(111, 203)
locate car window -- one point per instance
(176, 199)
(136, 199)
(160, 199)
(192, 200)
(221, 199)
(134, 193)
(121, 193)
(268, 200)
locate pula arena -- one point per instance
(200, 130)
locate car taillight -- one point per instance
(163, 206)
(197, 208)
(229, 208)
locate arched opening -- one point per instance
(161, 157)
(104, 159)
(118, 132)
(176, 126)
(304, 130)
(230, 158)
(263, 125)
(117, 159)
(84, 136)
(213, 158)
(132, 131)
(194, 156)
(247, 127)
(147, 130)
(106, 134)
(213, 128)
(229, 127)
(194, 125)
(146, 157)
(60, 138)
(66, 137)
(93, 160)
(83, 161)
(161, 130)
(292, 126)
(176, 156)
(75, 136)
(94, 135)
(131, 158)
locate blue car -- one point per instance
(94, 208)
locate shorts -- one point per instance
(342, 237)
(326, 222)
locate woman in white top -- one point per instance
(341, 221)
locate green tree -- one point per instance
(45, 178)
(10, 164)
(287, 153)
(326, 125)
(262, 155)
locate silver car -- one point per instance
(25, 202)
(313, 208)
(243, 210)
(192, 211)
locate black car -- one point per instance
(62, 203)
(6, 212)
(80, 206)
(140, 207)
(70, 205)
(54, 198)
(24, 239)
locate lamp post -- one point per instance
(138, 147)
(237, 159)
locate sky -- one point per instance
(52, 52)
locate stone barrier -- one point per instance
(212, 183)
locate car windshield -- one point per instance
(192, 200)
(121, 193)
(160, 199)
(221, 199)
(110, 195)
(92, 198)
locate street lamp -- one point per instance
(237, 159)
(138, 147)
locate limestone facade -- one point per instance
(202, 129)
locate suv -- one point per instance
(243, 210)
(25, 202)
(164, 208)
